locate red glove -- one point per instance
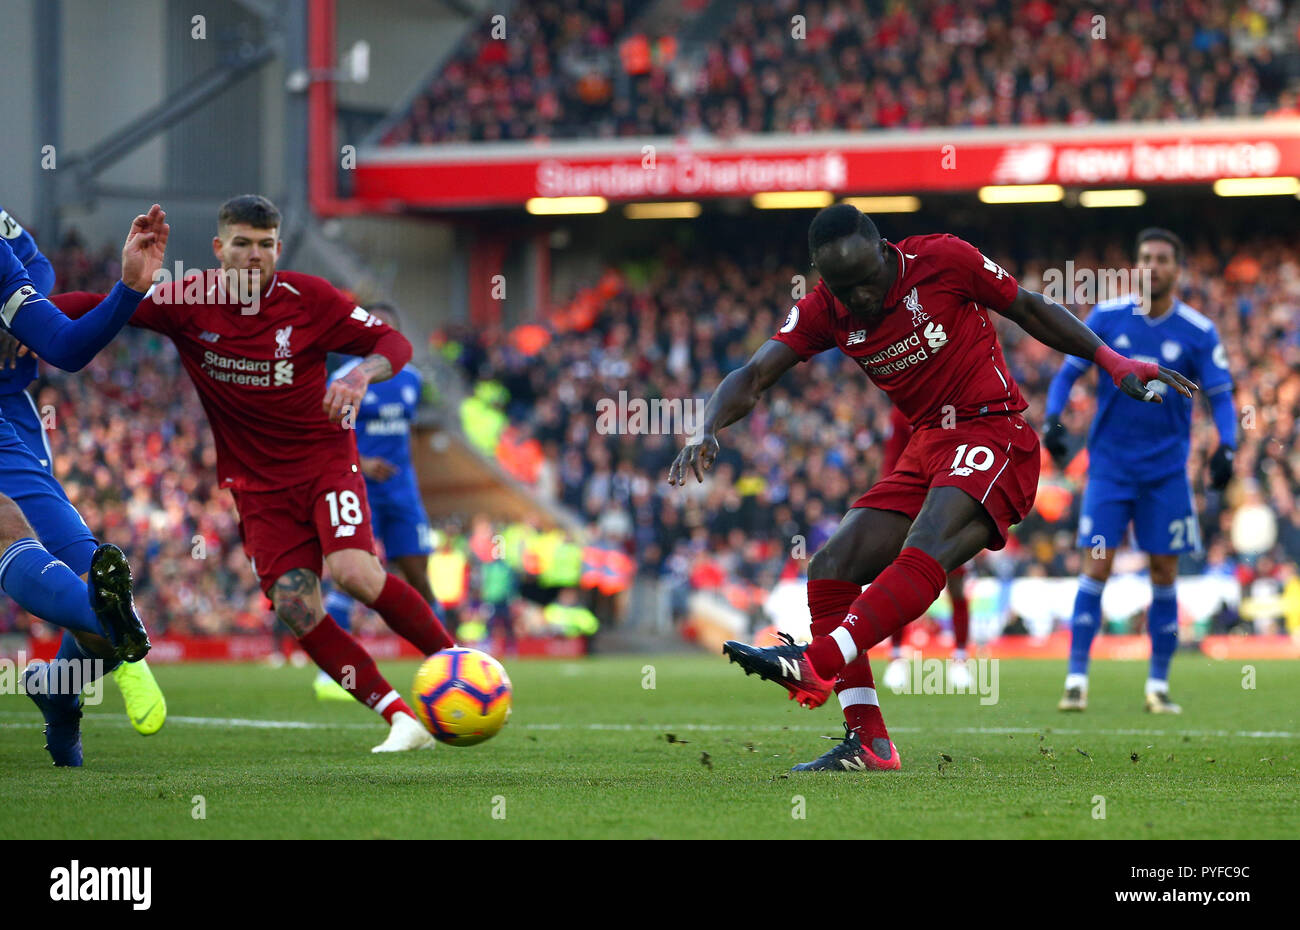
(1120, 366)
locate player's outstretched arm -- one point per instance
(69, 344)
(733, 399)
(1058, 328)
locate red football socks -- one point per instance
(900, 594)
(347, 662)
(828, 601)
(863, 718)
(410, 617)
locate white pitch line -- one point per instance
(241, 722)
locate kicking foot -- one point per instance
(62, 725)
(145, 704)
(110, 598)
(405, 733)
(1158, 703)
(849, 755)
(787, 665)
(1074, 699)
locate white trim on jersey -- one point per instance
(1006, 387)
(1196, 318)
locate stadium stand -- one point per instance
(577, 69)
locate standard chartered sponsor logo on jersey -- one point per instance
(896, 357)
(246, 371)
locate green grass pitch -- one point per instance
(586, 755)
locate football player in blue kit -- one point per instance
(98, 614)
(66, 538)
(383, 432)
(1137, 458)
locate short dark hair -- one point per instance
(836, 222)
(251, 210)
(1161, 235)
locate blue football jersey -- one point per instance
(383, 423)
(41, 272)
(1130, 439)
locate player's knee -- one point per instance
(359, 577)
(1164, 572)
(13, 525)
(826, 563)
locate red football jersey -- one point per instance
(935, 347)
(261, 377)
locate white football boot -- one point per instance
(405, 733)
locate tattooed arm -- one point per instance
(348, 391)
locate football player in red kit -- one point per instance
(913, 316)
(897, 672)
(256, 355)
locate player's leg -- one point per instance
(296, 598)
(951, 528)
(959, 674)
(341, 513)
(983, 477)
(1166, 526)
(1162, 626)
(865, 542)
(401, 522)
(280, 536)
(1104, 517)
(64, 533)
(359, 574)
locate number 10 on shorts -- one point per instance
(345, 507)
(976, 458)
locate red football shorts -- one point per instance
(994, 459)
(297, 527)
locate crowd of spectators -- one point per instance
(133, 450)
(571, 69)
(788, 471)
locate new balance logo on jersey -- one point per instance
(209, 337)
(361, 315)
(935, 335)
(283, 373)
(346, 530)
(855, 337)
(282, 349)
(962, 471)
(789, 669)
(913, 303)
